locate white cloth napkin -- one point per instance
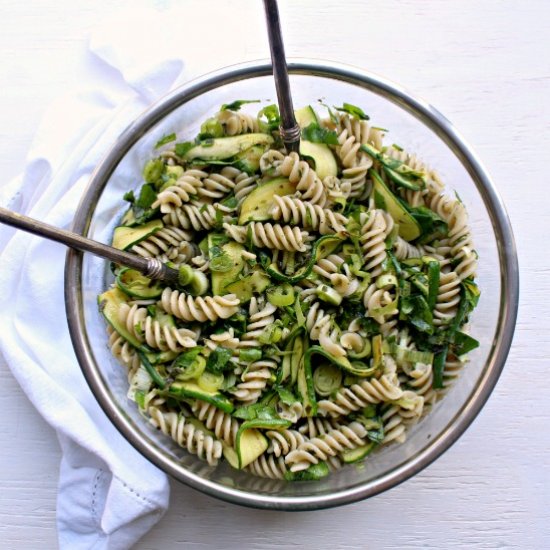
(109, 495)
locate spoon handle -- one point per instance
(290, 131)
(150, 267)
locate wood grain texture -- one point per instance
(486, 66)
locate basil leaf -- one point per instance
(147, 196)
(182, 148)
(218, 360)
(432, 225)
(464, 343)
(165, 139)
(269, 118)
(318, 134)
(354, 111)
(236, 105)
(471, 293)
(129, 197)
(286, 396)
(230, 202)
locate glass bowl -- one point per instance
(412, 123)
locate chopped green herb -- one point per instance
(318, 134)
(181, 148)
(236, 105)
(354, 111)
(218, 360)
(165, 139)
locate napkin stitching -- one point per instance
(97, 477)
(135, 493)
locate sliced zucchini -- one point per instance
(220, 279)
(258, 204)
(125, 237)
(129, 218)
(248, 286)
(226, 147)
(319, 153)
(194, 391)
(409, 228)
(304, 382)
(294, 353)
(355, 455)
(267, 424)
(135, 284)
(109, 305)
(249, 161)
(356, 368)
(230, 454)
(250, 444)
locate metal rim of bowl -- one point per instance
(507, 258)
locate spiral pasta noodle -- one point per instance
(268, 466)
(320, 448)
(267, 235)
(187, 435)
(360, 395)
(222, 424)
(374, 231)
(195, 215)
(199, 309)
(237, 122)
(181, 191)
(166, 241)
(309, 185)
(310, 216)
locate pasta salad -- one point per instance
(323, 294)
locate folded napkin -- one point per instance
(109, 495)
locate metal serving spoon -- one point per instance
(151, 267)
(290, 131)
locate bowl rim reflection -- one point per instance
(427, 115)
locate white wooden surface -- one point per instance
(486, 66)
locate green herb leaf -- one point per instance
(147, 196)
(181, 148)
(286, 396)
(165, 139)
(269, 118)
(471, 293)
(313, 473)
(236, 105)
(250, 355)
(318, 134)
(432, 225)
(129, 197)
(464, 343)
(354, 111)
(230, 202)
(218, 360)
